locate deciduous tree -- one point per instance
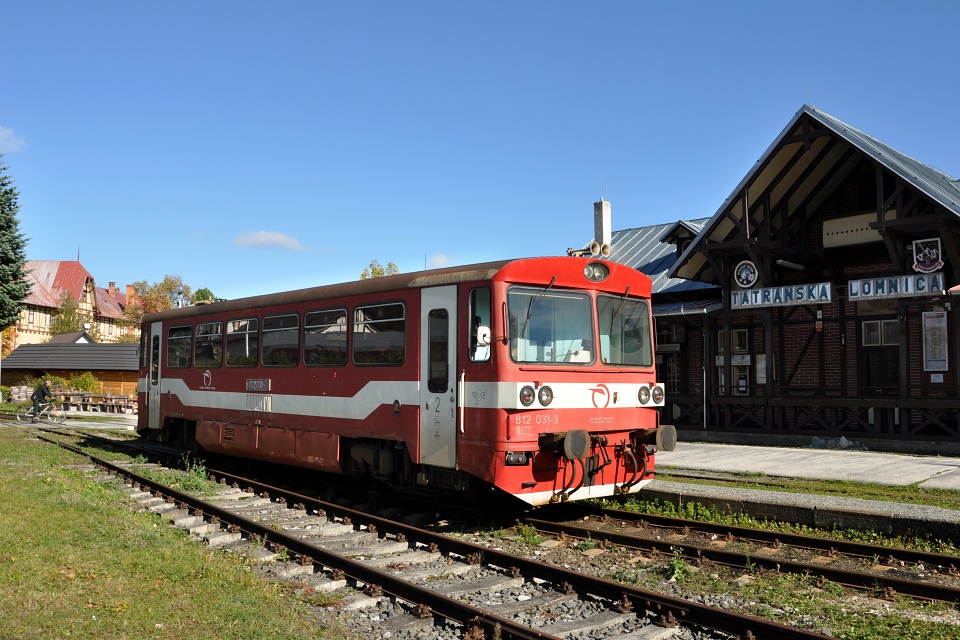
(203, 294)
(69, 318)
(151, 298)
(377, 270)
(13, 278)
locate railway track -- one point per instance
(882, 571)
(413, 582)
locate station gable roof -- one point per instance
(793, 178)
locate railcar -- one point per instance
(535, 376)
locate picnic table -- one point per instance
(106, 403)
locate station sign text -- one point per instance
(924, 284)
(781, 296)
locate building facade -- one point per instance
(816, 301)
(101, 308)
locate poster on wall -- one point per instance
(935, 341)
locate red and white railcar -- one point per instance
(535, 376)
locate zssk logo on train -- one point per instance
(601, 396)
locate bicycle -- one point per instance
(50, 410)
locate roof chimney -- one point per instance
(601, 222)
(111, 288)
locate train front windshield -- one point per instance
(548, 327)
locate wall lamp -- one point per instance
(791, 265)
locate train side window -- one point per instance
(155, 361)
(208, 346)
(438, 335)
(480, 315)
(242, 343)
(325, 338)
(178, 347)
(281, 340)
(379, 334)
(143, 348)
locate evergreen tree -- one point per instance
(13, 278)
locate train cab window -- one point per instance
(379, 334)
(242, 343)
(325, 337)
(624, 331)
(178, 347)
(550, 326)
(208, 346)
(143, 348)
(480, 319)
(281, 340)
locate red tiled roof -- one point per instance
(50, 278)
(109, 307)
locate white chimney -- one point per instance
(601, 222)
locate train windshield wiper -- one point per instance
(533, 301)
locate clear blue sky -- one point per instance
(253, 147)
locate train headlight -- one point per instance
(596, 271)
(657, 394)
(527, 394)
(545, 395)
(516, 459)
(643, 395)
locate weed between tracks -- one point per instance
(76, 563)
(697, 511)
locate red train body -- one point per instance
(535, 376)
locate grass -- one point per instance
(909, 494)
(76, 562)
(802, 601)
(695, 511)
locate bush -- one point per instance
(4, 394)
(56, 382)
(85, 382)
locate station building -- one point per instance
(816, 301)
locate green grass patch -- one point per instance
(76, 562)
(696, 511)
(908, 494)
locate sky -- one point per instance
(254, 147)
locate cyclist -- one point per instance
(40, 394)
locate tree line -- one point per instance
(69, 317)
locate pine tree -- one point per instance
(13, 278)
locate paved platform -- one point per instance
(819, 511)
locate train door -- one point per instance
(438, 367)
(153, 379)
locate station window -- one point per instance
(208, 346)
(178, 347)
(379, 334)
(877, 333)
(242, 343)
(739, 337)
(325, 337)
(281, 340)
